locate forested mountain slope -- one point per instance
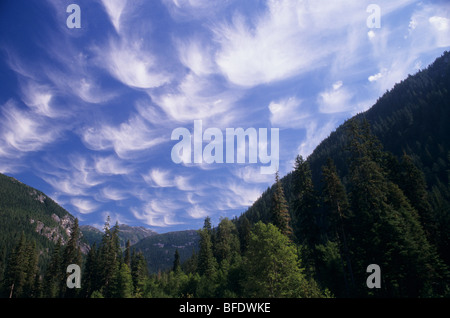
(395, 157)
(24, 209)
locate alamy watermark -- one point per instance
(74, 279)
(190, 149)
(374, 19)
(73, 21)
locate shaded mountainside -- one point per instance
(377, 190)
(412, 118)
(126, 232)
(24, 209)
(159, 250)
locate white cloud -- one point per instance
(110, 193)
(127, 139)
(157, 213)
(252, 174)
(316, 131)
(38, 98)
(73, 178)
(129, 62)
(375, 77)
(288, 39)
(159, 178)
(110, 165)
(197, 97)
(336, 100)
(115, 8)
(286, 113)
(24, 131)
(84, 206)
(197, 212)
(196, 56)
(163, 179)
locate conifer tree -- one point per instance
(127, 255)
(121, 283)
(207, 264)
(32, 272)
(71, 255)
(15, 274)
(176, 262)
(244, 232)
(279, 209)
(227, 245)
(412, 183)
(53, 274)
(305, 204)
(272, 266)
(385, 227)
(335, 198)
(110, 257)
(139, 272)
(91, 274)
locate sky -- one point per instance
(95, 100)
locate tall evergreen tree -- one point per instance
(335, 199)
(110, 257)
(272, 266)
(53, 274)
(305, 204)
(412, 183)
(385, 228)
(139, 272)
(91, 274)
(21, 270)
(279, 210)
(176, 262)
(244, 229)
(127, 255)
(227, 245)
(71, 255)
(207, 264)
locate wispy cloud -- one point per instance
(114, 194)
(84, 206)
(111, 165)
(115, 8)
(130, 63)
(286, 113)
(24, 131)
(157, 213)
(335, 100)
(127, 139)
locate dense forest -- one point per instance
(376, 191)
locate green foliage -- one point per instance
(279, 210)
(272, 266)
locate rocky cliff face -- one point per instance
(61, 230)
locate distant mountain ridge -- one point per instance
(24, 209)
(126, 232)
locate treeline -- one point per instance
(107, 270)
(20, 208)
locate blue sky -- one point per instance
(86, 114)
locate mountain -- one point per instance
(159, 250)
(24, 209)
(412, 118)
(126, 232)
(377, 188)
